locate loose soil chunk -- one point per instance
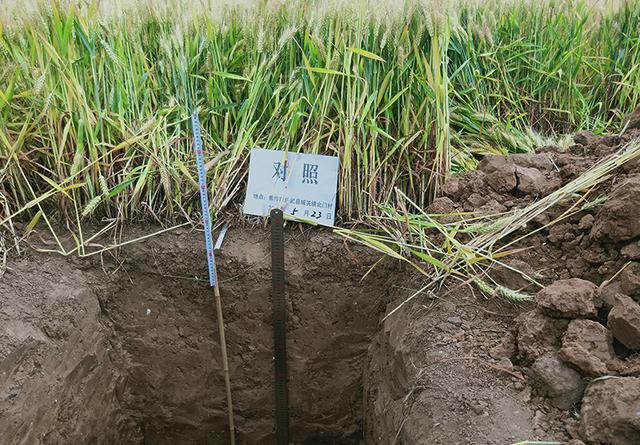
(586, 138)
(632, 120)
(442, 205)
(559, 232)
(538, 334)
(561, 384)
(609, 293)
(624, 322)
(630, 280)
(609, 413)
(531, 181)
(586, 222)
(631, 251)
(500, 171)
(513, 276)
(588, 347)
(572, 298)
(507, 347)
(618, 218)
(541, 161)
(627, 367)
(452, 188)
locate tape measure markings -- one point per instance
(204, 198)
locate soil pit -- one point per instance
(124, 349)
(127, 351)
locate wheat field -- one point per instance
(95, 96)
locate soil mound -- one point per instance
(588, 351)
(588, 244)
(583, 331)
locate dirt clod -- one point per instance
(441, 205)
(512, 276)
(538, 334)
(617, 220)
(627, 367)
(571, 298)
(624, 322)
(629, 280)
(588, 347)
(532, 181)
(557, 381)
(452, 188)
(559, 232)
(585, 138)
(610, 412)
(631, 251)
(506, 348)
(609, 293)
(500, 172)
(586, 222)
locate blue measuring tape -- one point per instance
(204, 198)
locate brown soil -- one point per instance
(122, 351)
(458, 374)
(127, 352)
(432, 378)
(124, 348)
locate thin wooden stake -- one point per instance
(225, 361)
(211, 264)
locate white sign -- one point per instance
(301, 185)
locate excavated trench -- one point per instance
(123, 348)
(134, 342)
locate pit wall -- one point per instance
(59, 382)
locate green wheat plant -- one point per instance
(95, 98)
